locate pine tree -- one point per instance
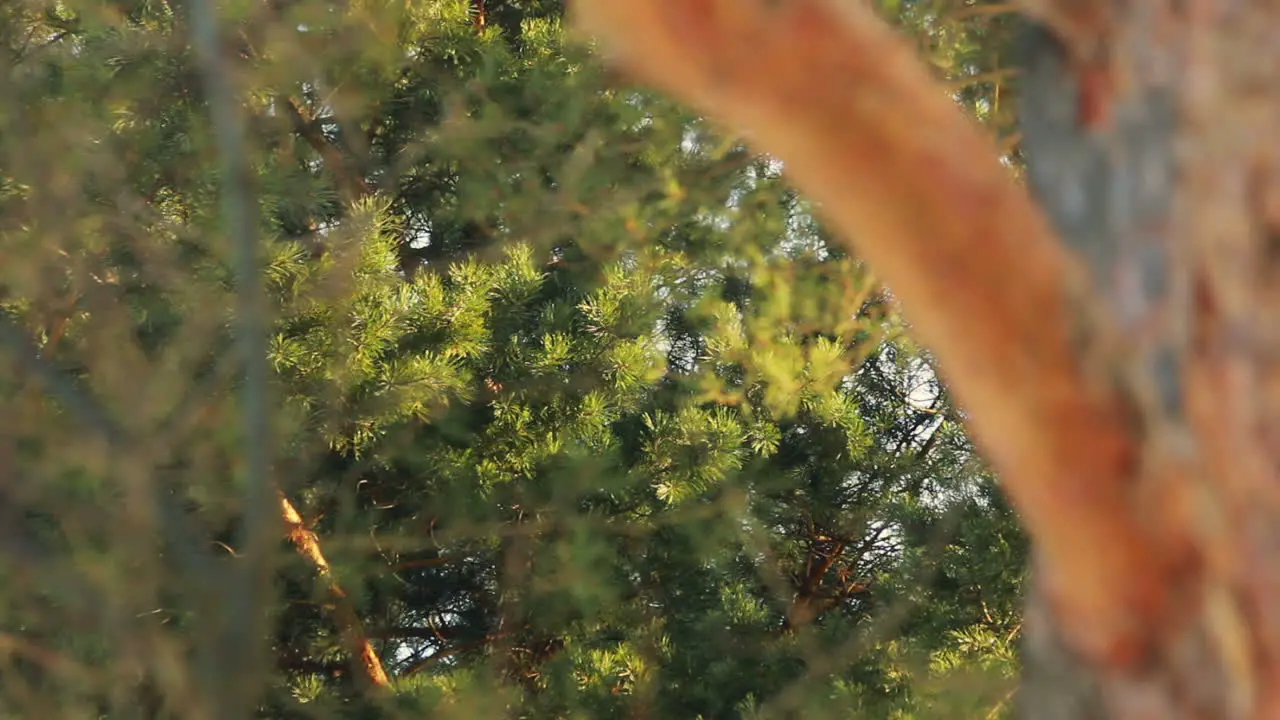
(577, 410)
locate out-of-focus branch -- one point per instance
(241, 655)
(917, 189)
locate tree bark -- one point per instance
(1113, 348)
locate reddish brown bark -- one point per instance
(1157, 571)
(830, 577)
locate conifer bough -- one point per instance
(1112, 341)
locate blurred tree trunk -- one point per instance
(1113, 341)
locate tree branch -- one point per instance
(365, 664)
(918, 191)
(352, 185)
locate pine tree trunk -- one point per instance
(1117, 343)
(1177, 228)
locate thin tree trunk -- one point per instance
(1115, 350)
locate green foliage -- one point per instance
(590, 415)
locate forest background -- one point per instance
(538, 397)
